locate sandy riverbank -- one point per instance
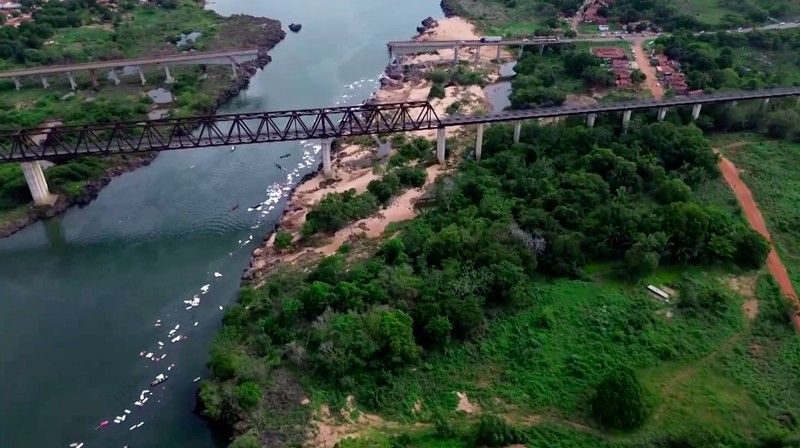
(353, 164)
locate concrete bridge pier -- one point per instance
(112, 74)
(93, 78)
(590, 120)
(169, 79)
(327, 169)
(517, 130)
(455, 55)
(626, 120)
(45, 84)
(477, 54)
(696, 111)
(34, 176)
(141, 75)
(497, 58)
(72, 82)
(234, 70)
(17, 84)
(541, 50)
(662, 113)
(765, 104)
(521, 49)
(440, 142)
(479, 142)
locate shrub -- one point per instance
(248, 394)
(619, 400)
(437, 91)
(493, 431)
(283, 240)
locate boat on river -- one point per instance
(159, 379)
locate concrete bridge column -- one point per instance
(455, 55)
(497, 58)
(541, 50)
(662, 113)
(234, 70)
(141, 74)
(17, 84)
(517, 130)
(479, 142)
(590, 120)
(521, 49)
(327, 170)
(734, 103)
(72, 82)
(34, 176)
(626, 120)
(45, 84)
(440, 142)
(765, 104)
(169, 79)
(113, 75)
(696, 111)
(93, 78)
(477, 54)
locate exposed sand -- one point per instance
(353, 165)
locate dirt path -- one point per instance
(649, 71)
(753, 215)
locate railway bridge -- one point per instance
(29, 146)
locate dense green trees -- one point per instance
(563, 197)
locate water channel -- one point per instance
(79, 294)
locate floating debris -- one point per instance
(220, 308)
(149, 355)
(127, 411)
(158, 323)
(196, 379)
(217, 274)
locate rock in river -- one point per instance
(295, 27)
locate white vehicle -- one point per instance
(526, 40)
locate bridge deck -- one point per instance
(265, 127)
(186, 57)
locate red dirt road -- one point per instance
(753, 214)
(649, 71)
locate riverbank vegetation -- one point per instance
(507, 311)
(77, 31)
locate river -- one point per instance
(80, 294)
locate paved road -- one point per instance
(539, 41)
(187, 57)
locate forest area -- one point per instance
(522, 288)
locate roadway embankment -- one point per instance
(244, 31)
(404, 80)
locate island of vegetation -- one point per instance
(38, 32)
(516, 308)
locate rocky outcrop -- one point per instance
(260, 32)
(427, 24)
(295, 27)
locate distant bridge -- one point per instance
(228, 57)
(46, 143)
(399, 48)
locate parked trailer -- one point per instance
(486, 39)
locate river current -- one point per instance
(80, 294)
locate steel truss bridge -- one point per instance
(48, 143)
